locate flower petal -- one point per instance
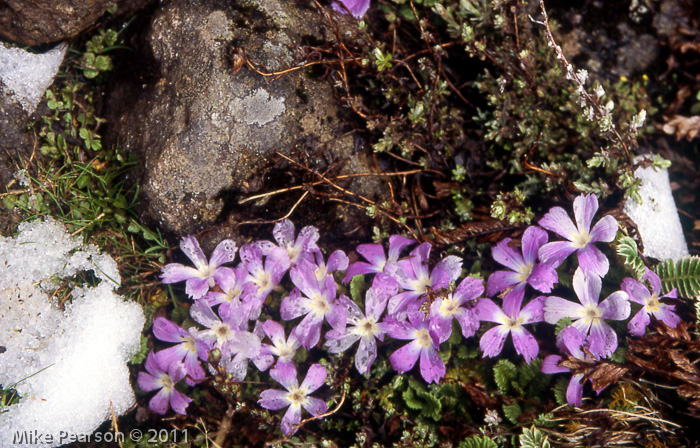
(284, 233)
(469, 323)
(179, 402)
(168, 331)
(225, 252)
(555, 253)
(446, 271)
(592, 261)
(559, 222)
(587, 287)
(533, 311)
(176, 272)
(403, 359)
(315, 378)
(491, 342)
(507, 256)
(574, 392)
(525, 343)
(374, 253)
(653, 279)
(666, 315)
(616, 306)
(603, 339)
(315, 406)
(338, 261)
(585, 207)
(500, 281)
(285, 374)
(487, 310)
(397, 244)
(274, 399)
(556, 308)
(550, 365)
(160, 403)
(293, 305)
(196, 288)
(604, 230)
(533, 238)
(543, 277)
(148, 382)
(432, 367)
(290, 421)
(636, 291)
(366, 354)
(190, 247)
(638, 324)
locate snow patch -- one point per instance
(27, 75)
(69, 367)
(656, 217)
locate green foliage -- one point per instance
(526, 379)
(683, 275)
(141, 355)
(533, 438)
(626, 248)
(358, 288)
(560, 391)
(563, 323)
(477, 442)
(94, 60)
(512, 412)
(504, 373)
(418, 398)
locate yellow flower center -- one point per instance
(653, 304)
(423, 338)
(581, 240)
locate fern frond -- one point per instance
(683, 275)
(626, 248)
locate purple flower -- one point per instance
(317, 304)
(525, 268)
(590, 315)
(164, 378)
(357, 8)
(651, 303)
(572, 341)
(205, 274)
(413, 276)
(264, 275)
(374, 253)
(300, 248)
(283, 348)
(189, 347)
(580, 235)
(229, 334)
(511, 320)
(236, 289)
(424, 345)
(338, 261)
(365, 328)
(454, 305)
(296, 396)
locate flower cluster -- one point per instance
(407, 300)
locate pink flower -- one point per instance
(296, 396)
(580, 235)
(164, 378)
(589, 315)
(357, 8)
(511, 320)
(205, 274)
(651, 303)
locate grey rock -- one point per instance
(204, 127)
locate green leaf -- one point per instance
(683, 275)
(357, 288)
(533, 438)
(504, 372)
(562, 323)
(512, 412)
(140, 357)
(478, 442)
(627, 249)
(560, 391)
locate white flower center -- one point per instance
(653, 304)
(581, 240)
(297, 396)
(511, 323)
(525, 271)
(284, 351)
(449, 306)
(167, 382)
(366, 328)
(319, 305)
(423, 338)
(591, 313)
(264, 281)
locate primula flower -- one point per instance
(365, 327)
(236, 289)
(572, 341)
(374, 253)
(265, 275)
(651, 303)
(205, 274)
(357, 8)
(413, 276)
(338, 261)
(163, 377)
(511, 320)
(424, 345)
(317, 303)
(189, 347)
(229, 334)
(296, 396)
(590, 315)
(580, 235)
(454, 305)
(525, 269)
(300, 248)
(283, 348)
